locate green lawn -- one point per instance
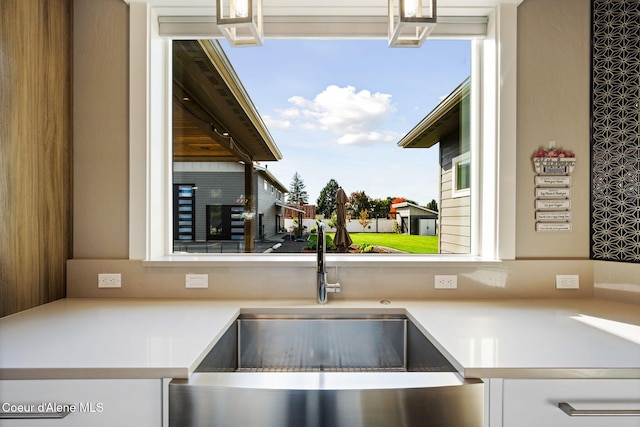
(402, 242)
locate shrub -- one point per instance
(365, 248)
(312, 243)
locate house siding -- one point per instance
(266, 205)
(455, 212)
(214, 188)
(226, 187)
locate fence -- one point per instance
(377, 225)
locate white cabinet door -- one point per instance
(534, 403)
(94, 403)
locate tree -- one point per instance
(432, 205)
(364, 220)
(326, 204)
(297, 193)
(380, 207)
(359, 202)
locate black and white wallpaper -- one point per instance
(615, 131)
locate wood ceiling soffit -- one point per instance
(193, 135)
(198, 80)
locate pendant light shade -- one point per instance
(240, 21)
(410, 22)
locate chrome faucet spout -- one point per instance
(323, 287)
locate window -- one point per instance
(492, 215)
(348, 113)
(461, 175)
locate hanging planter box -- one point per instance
(554, 165)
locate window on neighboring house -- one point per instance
(461, 175)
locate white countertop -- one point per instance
(161, 338)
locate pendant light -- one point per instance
(410, 22)
(240, 21)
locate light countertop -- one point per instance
(161, 338)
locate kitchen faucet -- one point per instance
(323, 286)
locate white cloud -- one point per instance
(289, 112)
(298, 100)
(367, 138)
(356, 117)
(275, 123)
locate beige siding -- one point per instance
(459, 220)
(455, 212)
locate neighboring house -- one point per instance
(209, 199)
(414, 219)
(448, 125)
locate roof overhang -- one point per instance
(408, 205)
(442, 120)
(214, 118)
(272, 178)
(284, 205)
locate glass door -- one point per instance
(184, 203)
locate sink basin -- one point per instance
(307, 343)
(320, 370)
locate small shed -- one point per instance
(416, 220)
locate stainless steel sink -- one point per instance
(325, 370)
(304, 343)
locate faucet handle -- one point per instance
(334, 287)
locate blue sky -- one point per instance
(337, 108)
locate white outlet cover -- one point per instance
(197, 281)
(567, 281)
(109, 280)
(446, 281)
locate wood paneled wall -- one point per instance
(36, 95)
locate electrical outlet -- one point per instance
(197, 281)
(446, 281)
(567, 281)
(111, 280)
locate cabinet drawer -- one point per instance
(90, 402)
(535, 402)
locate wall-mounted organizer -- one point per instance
(553, 169)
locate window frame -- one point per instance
(493, 136)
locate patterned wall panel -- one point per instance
(615, 133)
